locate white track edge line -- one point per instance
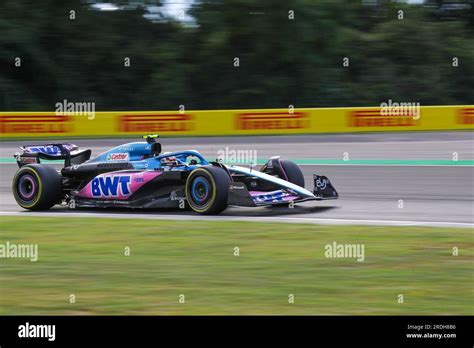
(330, 221)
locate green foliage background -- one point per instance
(282, 61)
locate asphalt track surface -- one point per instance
(419, 192)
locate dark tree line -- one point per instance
(237, 54)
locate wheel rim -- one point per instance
(200, 191)
(26, 187)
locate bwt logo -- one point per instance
(115, 186)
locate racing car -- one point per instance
(140, 175)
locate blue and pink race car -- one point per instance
(139, 175)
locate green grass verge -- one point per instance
(86, 257)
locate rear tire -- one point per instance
(207, 190)
(37, 187)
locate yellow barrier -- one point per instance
(233, 122)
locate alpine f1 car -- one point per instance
(139, 175)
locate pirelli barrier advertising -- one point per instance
(234, 122)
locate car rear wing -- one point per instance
(70, 153)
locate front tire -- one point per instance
(207, 190)
(284, 169)
(293, 172)
(37, 187)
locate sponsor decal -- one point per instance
(375, 118)
(466, 116)
(129, 148)
(272, 120)
(36, 124)
(272, 197)
(118, 156)
(116, 186)
(111, 186)
(321, 183)
(26, 160)
(49, 149)
(174, 197)
(156, 123)
(120, 202)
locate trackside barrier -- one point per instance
(232, 122)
